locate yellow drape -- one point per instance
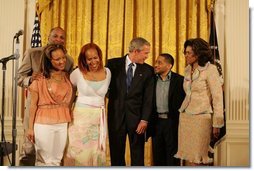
(111, 24)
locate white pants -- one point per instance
(50, 142)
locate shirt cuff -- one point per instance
(144, 121)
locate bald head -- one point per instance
(56, 36)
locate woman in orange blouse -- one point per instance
(202, 109)
(49, 112)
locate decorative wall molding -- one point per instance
(12, 17)
(8, 136)
(234, 150)
(238, 129)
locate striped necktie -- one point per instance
(129, 76)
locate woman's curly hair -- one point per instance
(200, 48)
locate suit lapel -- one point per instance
(172, 85)
(123, 74)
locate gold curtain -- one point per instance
(111, 24)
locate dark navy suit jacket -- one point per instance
(128, 109)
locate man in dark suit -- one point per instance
(130, 104)
(169, 95)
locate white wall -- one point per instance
(233, 33)
(14, 15)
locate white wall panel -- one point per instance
(14, 15)
(11, 20)
(234, 150)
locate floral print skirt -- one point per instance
(84, 134)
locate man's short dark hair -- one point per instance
(169, 58)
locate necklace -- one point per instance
(92, 76)
(57, 77)
(95, 76)
(58, 80)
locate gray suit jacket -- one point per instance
(31, 63)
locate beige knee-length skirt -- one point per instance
(194, 136)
